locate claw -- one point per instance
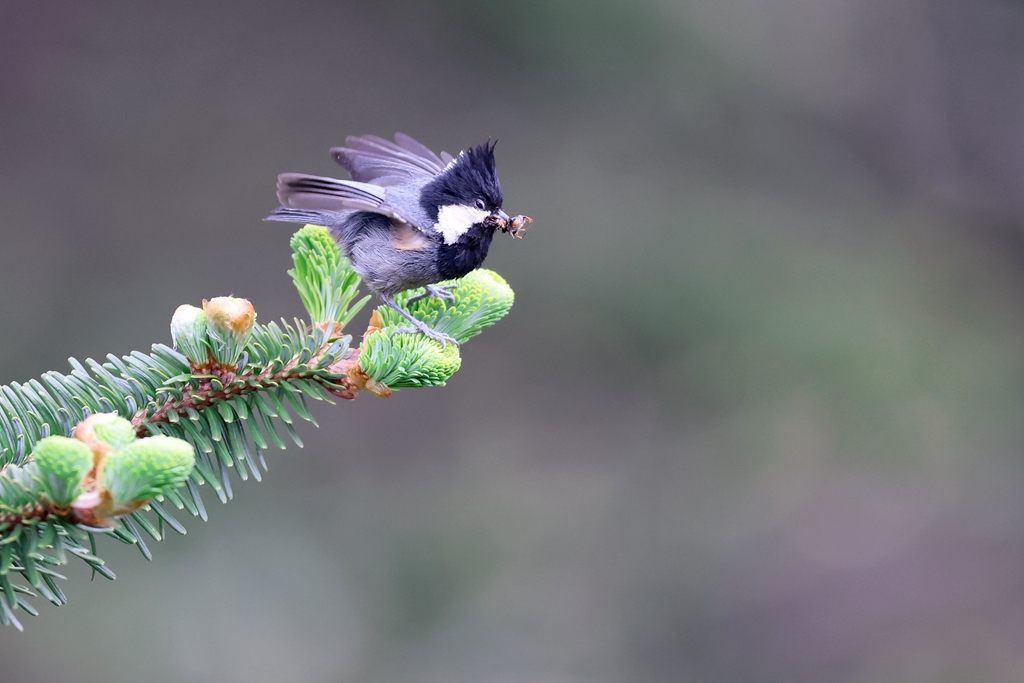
(427, 332)
(418, 325)
(438, 291)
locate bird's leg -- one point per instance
(417, 325)
(442, 292)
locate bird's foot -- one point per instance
(417, 324)
(442, 292)
(427, 331)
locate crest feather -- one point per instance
(470, 176)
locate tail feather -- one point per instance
(288, 215)
(302, 191)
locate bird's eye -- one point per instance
(480, 204)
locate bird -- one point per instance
(408, 217)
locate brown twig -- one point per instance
(343, 379)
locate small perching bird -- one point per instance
(408, 218)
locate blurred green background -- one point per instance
(755, 416)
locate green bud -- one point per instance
(62, 464)
(229, 323)
(110, 428)
(313, 246)
(407, 360)
(188, 332)
(326, 282)
(19, 486)
(482, 298)
(147, 468)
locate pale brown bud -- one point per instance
(227, 315)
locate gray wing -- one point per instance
(301, 191)
(370, 159)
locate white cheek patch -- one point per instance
(454, 220)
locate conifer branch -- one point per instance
(103, 450)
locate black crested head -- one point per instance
(470, 177)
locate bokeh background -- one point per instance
(755, 416)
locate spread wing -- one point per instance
(301, 191)
(370, 159)
(374, 164)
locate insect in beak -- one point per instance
(517, 225)
(514, 225)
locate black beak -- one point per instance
(498, 219)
